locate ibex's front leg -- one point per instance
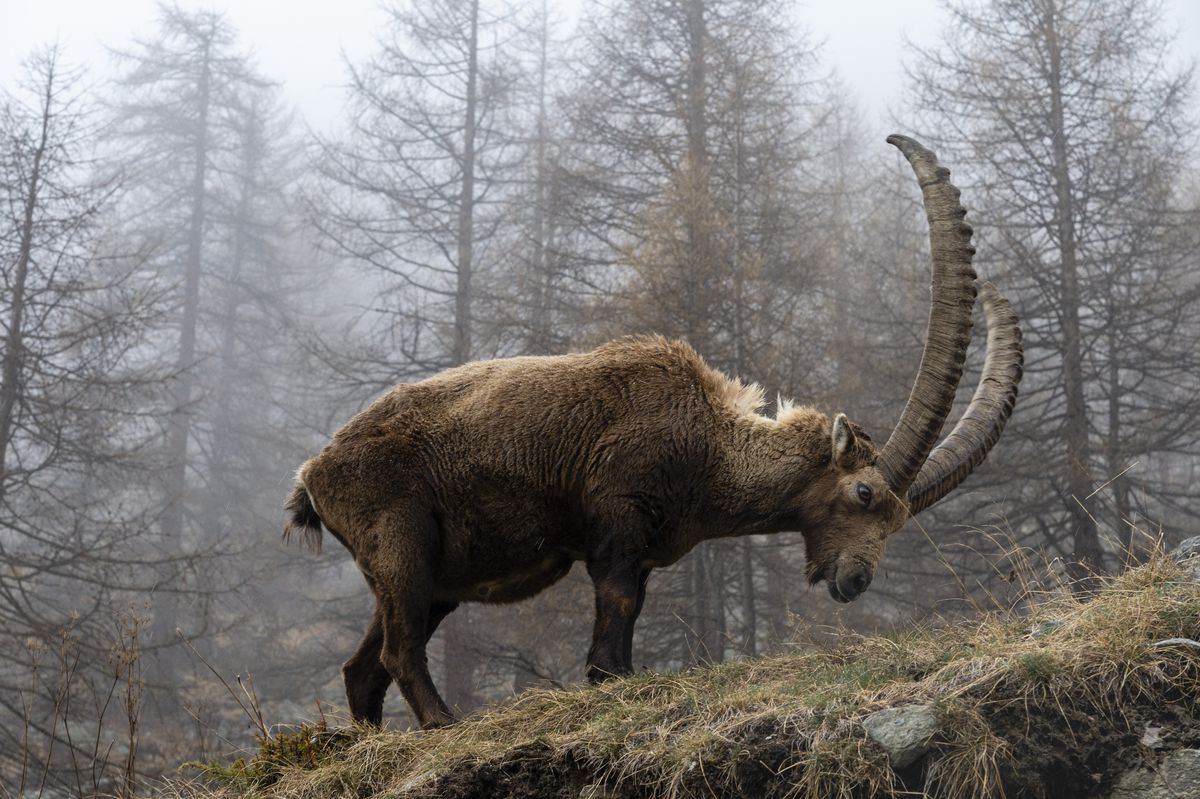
(620, 583)
(629, 624)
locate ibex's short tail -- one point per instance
(304, 518)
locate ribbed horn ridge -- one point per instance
(982, 423)
(949, 331)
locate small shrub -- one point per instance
(305, 747)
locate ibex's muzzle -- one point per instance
(849, 579)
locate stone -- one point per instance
(1177, 775)
(1188, 548)
(1044, 628)
(1172, 642)
(906, 733)
(1188, 556)
(1152, 737)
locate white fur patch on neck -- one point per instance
(744, 399)
(748, 399)
(786, 408)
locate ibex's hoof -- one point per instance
(438, 720)
(598, 674)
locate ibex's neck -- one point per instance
(769, 461)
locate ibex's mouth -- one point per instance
(837, 594)
(847, 581)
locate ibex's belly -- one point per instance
(505, 550)
(519, 584)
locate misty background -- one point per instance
(225, 231)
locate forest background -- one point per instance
(198, 284)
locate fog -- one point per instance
(303, 46)
(227, 230)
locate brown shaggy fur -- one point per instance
(487, 482)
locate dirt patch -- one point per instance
(759, 757)
(756, 763)
(1064, 752)
(1060, 750)
(1068, 749)
(530, 772)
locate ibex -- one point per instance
(485, 483)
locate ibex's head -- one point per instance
(864, 495)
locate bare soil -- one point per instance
(1064, 749)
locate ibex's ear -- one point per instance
(843, 439)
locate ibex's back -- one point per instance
(487, 481)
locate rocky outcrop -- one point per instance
(1175, 777)
(906, 733)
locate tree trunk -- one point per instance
(14, 344)
(1086, 551)
(778, 596)
(705, 598)
(539, 341)
(460, 656)
(165, 610)
(749, 610)
(1115, 455)
(223, 413)
(221, 489)
(466, 206)
(745, 545)
(718, 580)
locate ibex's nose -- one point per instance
(852, 579)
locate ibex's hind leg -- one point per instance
(403, 582)
(366, 678)
(403, 655)
(437, 614)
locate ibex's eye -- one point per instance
(864, 493)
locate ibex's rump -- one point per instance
(487, 482)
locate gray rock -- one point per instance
(1178, 775)
(1152, 737)
(1044, 628)
(1171, 642)
(1188, 548)
(1188, 555)
(905, 733)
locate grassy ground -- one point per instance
(1056, 714)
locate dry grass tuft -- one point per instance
(791, 725)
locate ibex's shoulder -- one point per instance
(731, 394)
(649, 348)
(742, 400)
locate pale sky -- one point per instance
(299, 42)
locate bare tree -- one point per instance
(416, 192)
(212, 167)
(181, 101)
(1073, 128)
(79, 402)
(688, 152)
(538, 296)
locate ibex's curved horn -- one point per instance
(949, 329)
(981, 424)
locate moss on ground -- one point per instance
(1053, 714)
